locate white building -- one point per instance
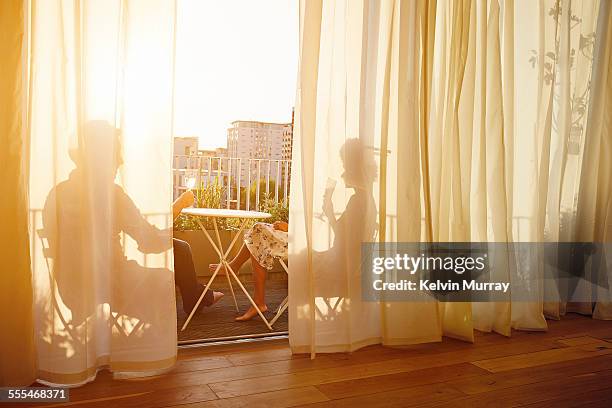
(184, 147)
(288, 137)
(185, 151)
(193, 167)
(287, 141)
(258, 140)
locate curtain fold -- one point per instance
(17, 355)
(455, 121)
(594, 220)
(100, 187)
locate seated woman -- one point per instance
(262, 244)
(184, 270)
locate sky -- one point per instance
(235, 60)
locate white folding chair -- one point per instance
(285, 303)
(48, 254)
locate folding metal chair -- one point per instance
(285, 303)
(49, 254)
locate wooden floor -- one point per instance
(218, 321)
(570, 365)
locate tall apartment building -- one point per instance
(287, 141)
(288, 138)
(258, 140)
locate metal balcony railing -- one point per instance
(244, 181)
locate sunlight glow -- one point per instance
(190, 182)
(235, 60)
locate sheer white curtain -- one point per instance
(100, 126)
(594, 217)
(434, 121)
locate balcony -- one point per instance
(247, 184)
(235, 176)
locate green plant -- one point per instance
(252, 192)
(185, 223)
(206, 196)
(210, 196)
(279, 210)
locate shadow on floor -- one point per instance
(218, 320)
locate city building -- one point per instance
(194, 167)
(262, 142)
(287, 142)
(264, 148)
(288, 138)
(185, 151)
(184, 148)
(207, 153)
(255, 140)
(213, 159)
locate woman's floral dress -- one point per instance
(266, 243)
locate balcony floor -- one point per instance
(218, 321)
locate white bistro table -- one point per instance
(215, 213)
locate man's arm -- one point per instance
(183, 201)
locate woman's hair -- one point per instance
(360, 167)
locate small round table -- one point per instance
(215, 213)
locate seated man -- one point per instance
(184, 270)
(84, 217)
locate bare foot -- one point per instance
(251, 313)
(217, 297)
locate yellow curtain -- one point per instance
(100, 125)
(431, 120)
(17, 358)
(594, 219)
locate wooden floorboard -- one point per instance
(539, 358)
(217, 321)
(569, 365)
(592, 399)
(561, 389)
